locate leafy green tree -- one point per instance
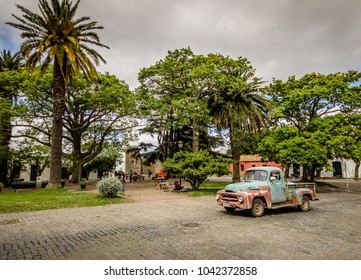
(271, 144)
(236, 104)
(285, 145)
(302, 102)
(344, 137)
(174, 93)
(196, 167)
(56, 36)
(97, 114)
(10, 78)
(102, 164)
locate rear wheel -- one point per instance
(305, 206)
(257, 208)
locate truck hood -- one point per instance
(246, 185)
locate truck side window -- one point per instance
(276, 175)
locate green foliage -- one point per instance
(174, 95)
(55, 36)
(196, 167)
(69, 47)
(102, 164)
(313, 133)
(96, 119)
(300, 101)
(109, 187)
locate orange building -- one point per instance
(248, 161)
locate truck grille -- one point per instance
(229, 197)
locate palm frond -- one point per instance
(55, 33)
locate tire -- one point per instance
(230, 209)
(305, 206)
(257, 208)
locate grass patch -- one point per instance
(208, 188)
(53, 199)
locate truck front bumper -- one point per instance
(231, 200)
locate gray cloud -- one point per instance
(280, 38)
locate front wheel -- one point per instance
(257, 208)
(305, 204)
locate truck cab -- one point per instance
(265, 187)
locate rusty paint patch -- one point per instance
(192, 225)
(9, 222)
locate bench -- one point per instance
(23, 185)
(164, 186)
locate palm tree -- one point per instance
(8, 62)
(56, 37)
(237, 104)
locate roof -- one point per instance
(265, 168)
(251, 158)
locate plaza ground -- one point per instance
(166, 225)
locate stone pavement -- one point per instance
(346, 185)
(124, 231)
(185, 228)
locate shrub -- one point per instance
(109, 186)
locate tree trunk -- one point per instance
(312, 174)
(306, 174)
(4, 165)
(357, 167)
(287, 171)
(5, 138)
(235, 139)
(57, 130)
(196, 135)
(76, 172)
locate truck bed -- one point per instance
(310, 185)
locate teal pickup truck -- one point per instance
(265, 187)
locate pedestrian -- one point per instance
(149, 174)
(130, 175)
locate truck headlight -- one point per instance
(240, 199)
(217, 197)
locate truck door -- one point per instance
(278, 191)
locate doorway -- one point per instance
(337, 169)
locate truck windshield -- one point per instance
(257, 175)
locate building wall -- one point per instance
(347, 168)
(248, 161)
(26, 174)
(136, 165)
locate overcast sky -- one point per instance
(280, 37)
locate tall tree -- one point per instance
(237, 104)
(344, 137)
(301, 102)
(56, 36)
(174, 98)
(9, 80)
(96, 114)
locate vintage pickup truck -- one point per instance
(265, 187)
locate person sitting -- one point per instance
(177, 186)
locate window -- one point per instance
(275, 175)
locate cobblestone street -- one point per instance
(186, 228)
